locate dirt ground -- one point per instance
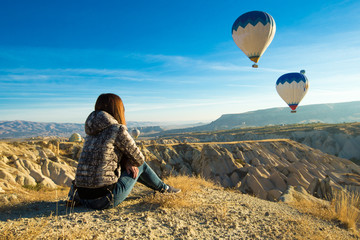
(215, 213)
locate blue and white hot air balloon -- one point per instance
(253, 32)
(292, 87)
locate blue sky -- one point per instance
(169, 61)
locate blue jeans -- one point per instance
(126, 182)
(123, 187)
(98, 203)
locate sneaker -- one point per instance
(171, 189)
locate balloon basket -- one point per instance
(255, 66)
(293, 111)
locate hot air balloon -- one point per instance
(75, 137)
(135, 133)
(292, 87)
(253, 32)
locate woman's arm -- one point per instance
(127, 145)
(131, 169)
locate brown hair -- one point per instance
(112, 104)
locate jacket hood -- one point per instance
(98, 121)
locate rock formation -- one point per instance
(342, 140)
(266, 169)
(49, 163)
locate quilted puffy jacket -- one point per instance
(107, 144)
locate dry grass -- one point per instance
(186, 198)
(57, 228)
(192, 198)
(189, 184)
(40, 227)
(314, 208)
(302, 228)
(33, 194)
(16, 229)
(344, 208)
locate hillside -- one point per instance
(262, 168)
(24, 129)
(267, 171)
(341, 139)
(325, 113)
(210, 213)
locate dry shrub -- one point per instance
(189, 184)
(170, 201)
(344, 208)
(189, 187)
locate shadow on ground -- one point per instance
(59, 208)
(38, 209)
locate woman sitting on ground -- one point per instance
(110, 163)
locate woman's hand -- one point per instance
(131, 169)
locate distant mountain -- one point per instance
(26, 129)
(325, 113)
(135, 124)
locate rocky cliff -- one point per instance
(264, 168)
(342, 140)
(49, 163)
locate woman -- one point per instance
(110, 163)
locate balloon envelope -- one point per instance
(135, 133)
(75, 137)
(292, 87)
(253, 32)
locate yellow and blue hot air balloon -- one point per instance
(135, 133)
(292, 87)
(253, 32)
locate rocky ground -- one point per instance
(217, 214)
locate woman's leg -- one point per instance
(150, 179)
(126, 183)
